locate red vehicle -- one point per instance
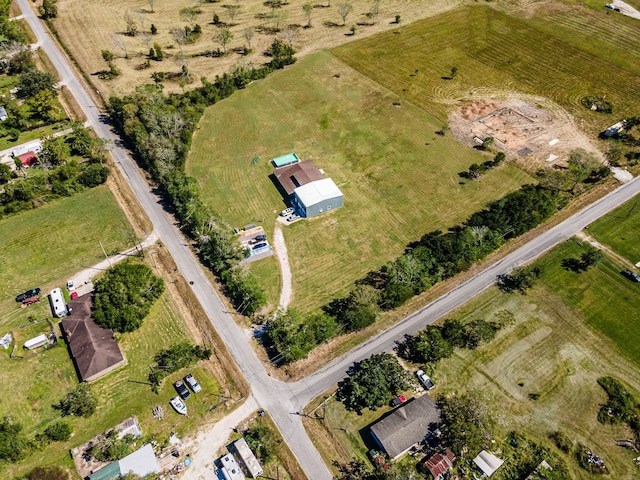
(29, 301)
(399, 400)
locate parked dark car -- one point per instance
(181, 389)
(34, 292)
(261, 238)
(399, 400)
(260, 245)
(634, 277)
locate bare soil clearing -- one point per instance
(532, 130)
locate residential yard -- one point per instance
(399, 179)
(563, 53)
(120, 394)
(87, 28)
(540, 373)
(619, 230)
(44, 246)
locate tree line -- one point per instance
(435, 257)
(158, 129)
(57, 175)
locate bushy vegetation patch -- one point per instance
(124, 296)
(177, 356)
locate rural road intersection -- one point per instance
(283, 400)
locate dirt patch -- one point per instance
(533, 131)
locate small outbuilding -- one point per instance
(487, 463)
(406, 426)
(439, 464)
(284, 160)
(142, 462)
(36, 342)
(28, 159)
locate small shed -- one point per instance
(3, 114)
(284, 160)
(28, 159)
(142, 462)
(36, 342)
(487, 463)
(439, 463)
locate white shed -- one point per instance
(36, 342)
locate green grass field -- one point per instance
(398, 177)
(620, 230)
(570, 329)
(563, 54)
(42, 247)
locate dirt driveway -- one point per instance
(283, 259)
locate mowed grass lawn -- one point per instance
(44, 246)
(399, 179)
(563, 54)
(570, 329)
(620, 230)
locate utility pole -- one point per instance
(105, 253)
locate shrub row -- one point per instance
(158, 128)
(436, 256)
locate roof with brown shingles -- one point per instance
(93, 348)
(296, 175)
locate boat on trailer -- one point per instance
(178, 405)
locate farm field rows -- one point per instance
(399, 179)
(554, 56)
(539, 374)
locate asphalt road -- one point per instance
(284, 400)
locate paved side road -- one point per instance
(273, 396)
(284, 400)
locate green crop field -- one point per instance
(620, 230)
(564, 54)
(570, 329)
(398, 177)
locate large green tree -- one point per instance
(32, 82)
(79, 402)
(13, 444)
(377, 381)
(124, 296)
(428, 346)
(468, 422)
